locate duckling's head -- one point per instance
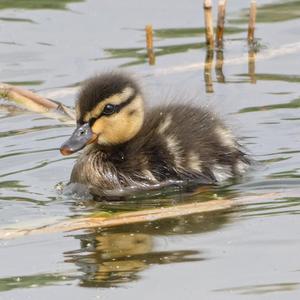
(109, 111)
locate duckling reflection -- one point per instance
(119, 255)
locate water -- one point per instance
(248, 251)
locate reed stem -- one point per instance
(220, 23)
(149, 44)
(209, 31)
(252, 20)
(149, 36)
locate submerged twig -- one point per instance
(209, 31)
(220, 23)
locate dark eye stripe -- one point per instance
(118, 108)
(121, 105)
(128, 101)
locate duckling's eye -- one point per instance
(109, 109)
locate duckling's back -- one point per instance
(187, 142)
(176, 143)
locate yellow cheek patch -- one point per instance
(120, 127)
(98, 126)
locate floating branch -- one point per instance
(209, 31)
(149, 44)
(252, 19)
(220, 23)
(34, 102)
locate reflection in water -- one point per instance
(113, 258)
(219, 65)
(151, 57)
(118, 255)
(208, 70)
(251, 63)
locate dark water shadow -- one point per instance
(262, 289)
(31, 281)
(289, 105)
(274, 77)
(33, 4)
(273, 12)
(140, 55)
(23, 20)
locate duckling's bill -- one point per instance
(82, 136)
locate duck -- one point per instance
(127, 147)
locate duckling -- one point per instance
(127, 148)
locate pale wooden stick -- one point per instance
(208, 20)
(220, 23)
(149, 44)
(252, 20)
